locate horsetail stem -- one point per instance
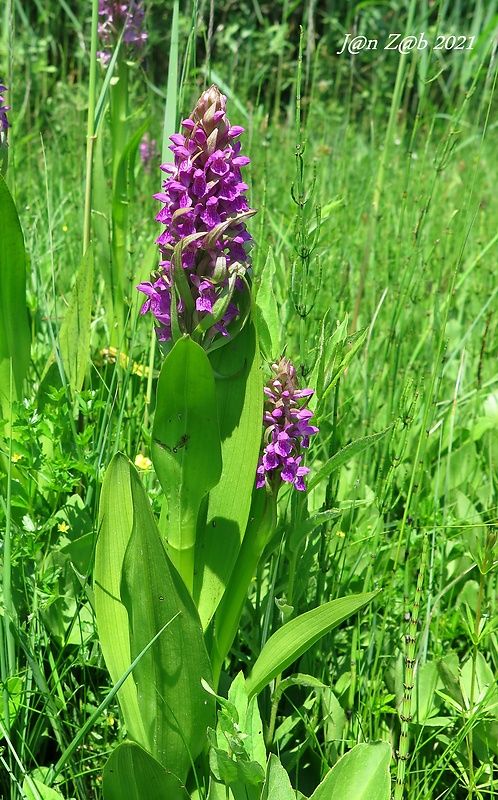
(405, 717)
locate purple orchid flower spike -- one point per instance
(116, 16)
(201, 286)
(287, 429)
(148, 152)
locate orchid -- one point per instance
(4, 122)
(117, 17)
(202, 277)
(287, 429)
(148, 152)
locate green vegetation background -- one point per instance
(400, 157)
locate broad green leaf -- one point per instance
(74, 334)
(239, 396)
(267, 319)
(486, 739)
(300, 679)
(344, 455)
(334, 720)
(175, 709)
(249, 720)
(424, 700)
(15, 339)
(14, 688)
(116, 517)
(277, 783)
(42, 791)
(218, 791)
(298, 635)
(362, 774)
(479, 681)
(133, 774)
(449, 671)
(186, 449)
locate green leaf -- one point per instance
(239, 396)
(122, 188)
(277, 783)
(448, 669)
(170, 109)
(116, 518)
(14, 688)
(334, 720)
(218, 791)
(298, 635)
(478, 680)
(101, 224)
(267, 319)
(15, 339)
(297, 680)
(43, 792)
(362, 774)
(74, 334)
(133, 774)
(249, 720)
(186, 449)
(175, 709)
(344, 455)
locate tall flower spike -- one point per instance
(287, 429)
(201, 285)
(116, 15)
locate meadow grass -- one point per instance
(402, 254)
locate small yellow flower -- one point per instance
(62, 527)
(142, 462)
(16, 457)
(341, 534)
(64, 228)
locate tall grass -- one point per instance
(399, 156)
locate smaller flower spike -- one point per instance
(4, 122)
(287, 429)
(116, 16)
(201, 285)
(148, 152)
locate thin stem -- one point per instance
(408, 683)
(8, 659)
(90, 136)
(475, 654)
